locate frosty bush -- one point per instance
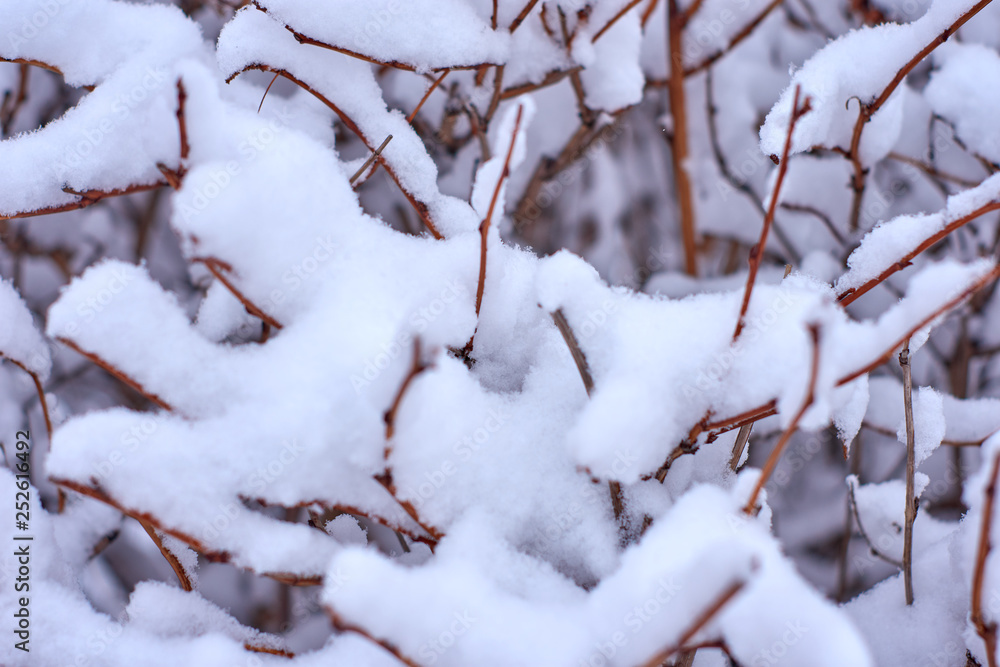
(525, 332)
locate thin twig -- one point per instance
(987, 630)
(523, 15)
(868, 109)
(437, 82)
(848, 297)
(416, 368)
(116, 373)
(741, 442)
(371, 158)
(266, 91)
(911, 500)
(39, 389)
(574, 348)
(853, 507)
(735, 41)
(700, 622)
(614, 19)
(484, 227)
(170, 557)
(757, 252)
(217, 269)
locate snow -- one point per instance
(298, 386)
(20, 340)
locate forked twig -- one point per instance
(853, 507)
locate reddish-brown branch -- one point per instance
(911, 467)
(550, 79)
(182, 124)
(679, 135)
(11, 105)
(987, 630)
(484, 227)
(266, 91)
(170, 557)
(850, 296)
(975, 287)
(265, 649)
(427, 95)
(416, 368)
(419, 206)
(39, 389)
(115, 372)
(869, 109)
(343, 626)
(756, 253)
(772, 460)
(97, 493)
(769, 409)
(523, 15)
(579, 358)
(614, 19)
(218, 269)
(86, 198)
(696, 626)
(377, 155)
(735, 41)
(387, 481)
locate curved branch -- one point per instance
(420, 207)
(111, 369)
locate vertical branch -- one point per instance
(741, 442)
(986, 630)
(676, 20)
(757, 252)
(484, 227)
(574, 347)
(911, 501)
(772, 460)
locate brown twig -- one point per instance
(437, 82)
(115, 372)
(266, 91)
(699, 622)
(170, 557)
(987, 630)
(756, 253)
(741, 442)
(10, 106)
(484, 226)
(911, 500)
(523, 15)
(376, 154)
(39, 389)
(848, 297)
(868, 109)
(772, 460)
(679, 135)
(343, 626)
(614, 19)
(420, 207)
(416, 368)
(735, 41)
(852, 505)
(579, 358)
(86, 198)
(217, 269)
